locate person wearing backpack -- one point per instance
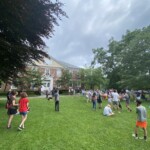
(12, 110)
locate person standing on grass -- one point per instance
(23, 109)
(94, 100)
(115, 100)
(138, 95)
(99, 99)
(127, 99)
(141, 120)
(110, 97)
(56, 96)
(89, 93)
(12, 110)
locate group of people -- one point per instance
(114, 103)
(22, 106)
(94, 96)
(114, 99)
(13, 108)
(112, 96)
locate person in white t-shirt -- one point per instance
(108, 111)
(115, 100)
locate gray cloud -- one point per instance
(91, 24)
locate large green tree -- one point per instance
(108, 60)
(126, 62)
(135, 55)
(65, 79)
(92, 78)
(23, 25)
(32, 79)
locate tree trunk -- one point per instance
(5, 87)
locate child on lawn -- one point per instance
(108, 111)
(141, 120)
(94, 100)
(23, 109)
(12, 110)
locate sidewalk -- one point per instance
(40, 96)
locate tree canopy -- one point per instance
(23, 25)
(65, 79)
(92, 78)
(126, 62)
(32, 79)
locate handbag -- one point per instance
(7, 105)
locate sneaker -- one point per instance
(135, 136)
(9, 127)
(19, 128)
(141, 138)
(145, 140)
(17, 113)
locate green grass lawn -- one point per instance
(75, 127)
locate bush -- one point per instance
(64, 92)
(3, 93)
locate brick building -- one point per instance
(51, 71)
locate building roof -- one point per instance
(67, 65)
(55, 63)
(64, 64)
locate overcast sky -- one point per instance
(91, 24)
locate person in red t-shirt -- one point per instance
(23, 109)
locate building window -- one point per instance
(47, 71)
(48, 84)
(59, 73)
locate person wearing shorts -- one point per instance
(94, 100)
(12, 110)
(141, 120)
(115, 100)
(127, 99)
(23, 109)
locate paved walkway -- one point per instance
(41, 96)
